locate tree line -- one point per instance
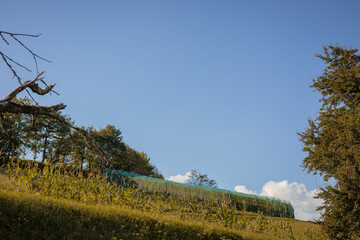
(47, 140)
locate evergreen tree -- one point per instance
(13, 140)
(121, 155)
(110, 139)
(12, 143)
(332, 141)
(61, 143)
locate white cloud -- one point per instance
(303, 202)
(296, 193)
(179, 178)
(243, 189)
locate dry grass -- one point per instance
(117, 221)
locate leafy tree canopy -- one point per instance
(332, 141)
(54, 141)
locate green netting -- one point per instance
(253, 203)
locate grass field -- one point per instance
(32, 211)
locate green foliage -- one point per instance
(13, 142)
(55, 142)
(37, 135)
(57, 182)
(110, 140)
(24, 216)
(332, 141)
(122, 156)
(252, 203)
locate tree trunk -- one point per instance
(35, 152)
(81, 165)
(44, 152)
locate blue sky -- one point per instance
(218, 86)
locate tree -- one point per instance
(12, 142)
(122, 155)
(80, 151)
(332, 141)
(25, 125)
(196, 178)
(61, 143)
(8, 105)
(139, 162)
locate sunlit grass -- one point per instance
(89, 203)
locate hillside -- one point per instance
(251, 203)
(57, 206)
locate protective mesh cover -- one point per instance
(253, 203)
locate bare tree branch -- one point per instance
(14, 73)
(32, 53)
(11, 107)
(4, 39)
(8, 106)
(48, 86)
(21, 34)
(22, 44)
(11, 67)
(29, 84)
(20, 65)
(1, 125)
(7, 59)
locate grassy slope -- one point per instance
(28, 216)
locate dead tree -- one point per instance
(7, 105)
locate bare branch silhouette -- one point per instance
(7, 105)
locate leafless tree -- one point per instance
(7, 105)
